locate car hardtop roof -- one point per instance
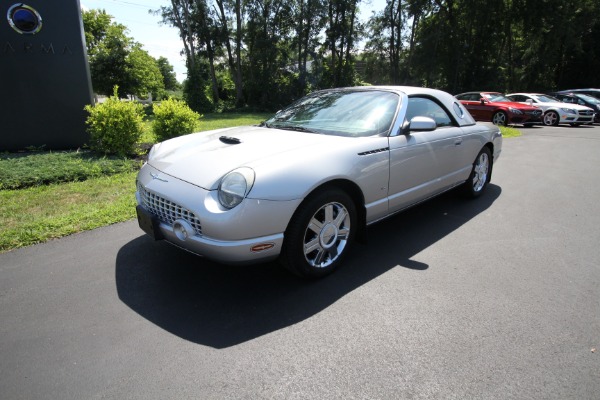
(408, 90)
(527, 94)
(405, 89)
(578, 90)
(479, 92)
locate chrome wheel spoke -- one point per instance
(328, 213)
(312, 245)
(339, 221)
(318, 259)
(343, 233)
(315, 225)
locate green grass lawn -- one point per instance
(48, 195)
(40, 213)
(509, 132)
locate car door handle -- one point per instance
(458, 142)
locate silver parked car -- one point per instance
(555, 111)
(302, 186)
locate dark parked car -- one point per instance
(590, 92)
(495, 107)
(581, 99)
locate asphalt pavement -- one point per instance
(493, 298)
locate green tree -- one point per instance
(142, 73)
(342, 32)
(168, 75)
(96, 25)
(116, 59)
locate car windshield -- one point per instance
(547, 99)
(587, 98)
(496, 97)
(340, 112)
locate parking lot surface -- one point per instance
(494, 298)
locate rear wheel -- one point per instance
(500, 118)
(551, 118)
(480, 174)
(319, 234)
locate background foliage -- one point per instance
(265, 53)
(116, 59)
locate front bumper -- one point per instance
(527, 117)
(581, 117)
(190, 217)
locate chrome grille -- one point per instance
(166, 210)
(587, 113)
(535, 113)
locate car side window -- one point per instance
(424, 107)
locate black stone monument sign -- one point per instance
(44, 75)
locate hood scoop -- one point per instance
(230, 140)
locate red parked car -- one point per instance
(495, 107)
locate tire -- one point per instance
(319, 234)
(500, 118)
(480, 174)
(551, 118)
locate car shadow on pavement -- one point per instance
(221, 306)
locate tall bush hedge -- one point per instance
(115, 126)
(173, 118)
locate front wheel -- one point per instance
(319, 234)
(500, 118)
(480, 174)
(551, 118)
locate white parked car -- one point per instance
(303, 185)
(555, 111)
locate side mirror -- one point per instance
(421, 124)
(529, 101)
(482, 100)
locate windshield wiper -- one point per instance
(298, 128)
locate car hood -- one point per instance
(204, 158)
(564, 105)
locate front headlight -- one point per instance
(515, 111)
(568, 110)
(235, 186)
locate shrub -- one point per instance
(115, 126)
(173, 118)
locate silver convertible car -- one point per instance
(304, 185)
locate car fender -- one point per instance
(363, 161)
